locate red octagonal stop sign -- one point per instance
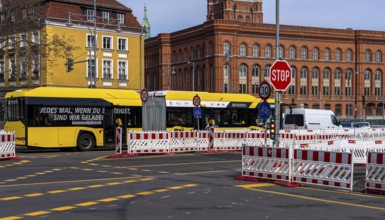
(280, 75)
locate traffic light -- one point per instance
(70, 64)
(272, 129)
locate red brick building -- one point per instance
(232, 51)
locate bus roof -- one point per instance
(121, 97)
(209, 97)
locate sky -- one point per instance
(167, 16)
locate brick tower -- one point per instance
(240, 10)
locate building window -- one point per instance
(368, 56)
(35, 38)
(314, 90)
(225, 70)
(122, 71)
(268, 51)
(122, 45)
(367, 75)
(242, 70)
(255, 71)
(315, 54)
(338, 74)
(327, 54)
(315, 73)
(338, 55)
(303, 73)
(90, 41)
(23, 67)
(90, 14)
(304, 53)
(303, 90)
(326, 90)
(255, 50)
(378, 56)
(12, 68)
(2, 69)
(337, 90)
(242, 50)
(292, 52)
(23, 40)
(267, 72)
(12, 42)
(348, 78)
(327, 73)
(107, 69)
(107, 43)
(120, 18)
(106, 16)
(281, 52)
(36, 66)
(242, 88)
(226, 48)
(349, 56)
(91, 68)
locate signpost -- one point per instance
(144, 95)
(280, 79)
(197, 112)
(264, 90)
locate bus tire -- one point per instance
(86, 142)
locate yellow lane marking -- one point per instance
(72, 189)
(91, 203)
(256, 185)
(72, 181)
(148, 193)
(10, 198)
(311, 198)
(181, 164)
(33, 214)
(64, 208)
(108, 200)
(84, 204)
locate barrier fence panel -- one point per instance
(7, 145)
(375, 171)
(266, 163)
(323, 168)
(148, 142)
(229, 140)
(184, 141)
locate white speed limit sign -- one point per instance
(264, 90)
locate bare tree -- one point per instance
(22, 39)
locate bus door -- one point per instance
(109, 127)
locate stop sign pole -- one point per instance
(277, 93)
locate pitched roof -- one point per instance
(110, 4)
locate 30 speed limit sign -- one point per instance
(264, 90)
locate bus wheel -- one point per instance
(86, 142)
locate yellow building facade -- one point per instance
(44, 36)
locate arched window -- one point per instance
(303, 88)
(242, 70)
(292, 52)
(338, 73)
(281, 50)
(367, 85)
(349, 55)
(338, 55)
(315, 53)
(226, 47)
(304, 53)
(326, 73)
(255, 50)
(368, 56)
(267, 72)
(327, 54)
(378, 56)
(255, 72)
(242, 50)
(268, 51)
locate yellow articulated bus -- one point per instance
(68, 118)
(173, 110)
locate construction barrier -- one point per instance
(148, 142)
(7, 145)
(118, 140)
(375, 171)
(323, 168)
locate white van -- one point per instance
(302, 118)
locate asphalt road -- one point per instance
(87, 185)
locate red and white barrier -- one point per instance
(7, 145)
(266, 163)
(148, 142)
(118, 140)
(375, 171)
(323, 168)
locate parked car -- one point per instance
(362, 124)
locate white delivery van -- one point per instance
(302, 118)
